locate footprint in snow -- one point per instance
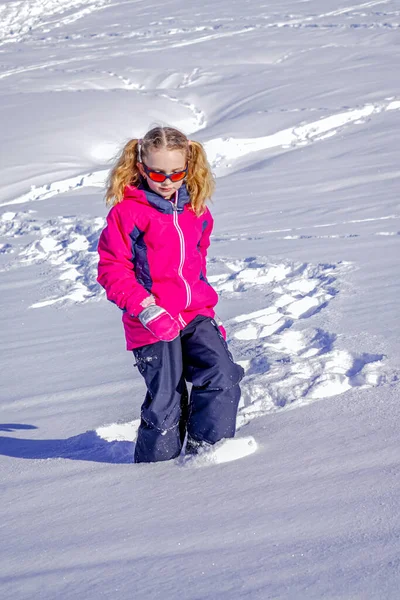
(285, 366)
(287, 363)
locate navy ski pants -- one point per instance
(200, 356)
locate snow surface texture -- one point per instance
(298, 106)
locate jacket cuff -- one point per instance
(136, 304)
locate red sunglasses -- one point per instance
(161, 177)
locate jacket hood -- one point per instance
(143, 194)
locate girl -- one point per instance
(153, 266)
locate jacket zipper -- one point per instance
(182, 246)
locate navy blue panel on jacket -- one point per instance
(139, 258)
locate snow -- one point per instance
(297, 103)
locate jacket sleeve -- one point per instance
(115, 270)
(208, 225)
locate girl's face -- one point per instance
(166, 162)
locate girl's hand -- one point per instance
(159, 322)
(148, 301)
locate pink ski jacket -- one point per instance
(154, 246)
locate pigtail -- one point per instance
(200, 180)
(125, 172)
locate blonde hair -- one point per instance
(199, 179)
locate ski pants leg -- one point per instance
(162, 428)
(201, 356)
(209, 366)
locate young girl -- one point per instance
(153, 267)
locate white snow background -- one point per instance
(298, 105)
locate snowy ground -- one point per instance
(298, 105)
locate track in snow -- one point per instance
(288, 361)
(222, 151)
(21, 18)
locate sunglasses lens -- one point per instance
(161, 177)
(178, 176)
(158, 177)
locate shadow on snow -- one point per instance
(86, 446)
